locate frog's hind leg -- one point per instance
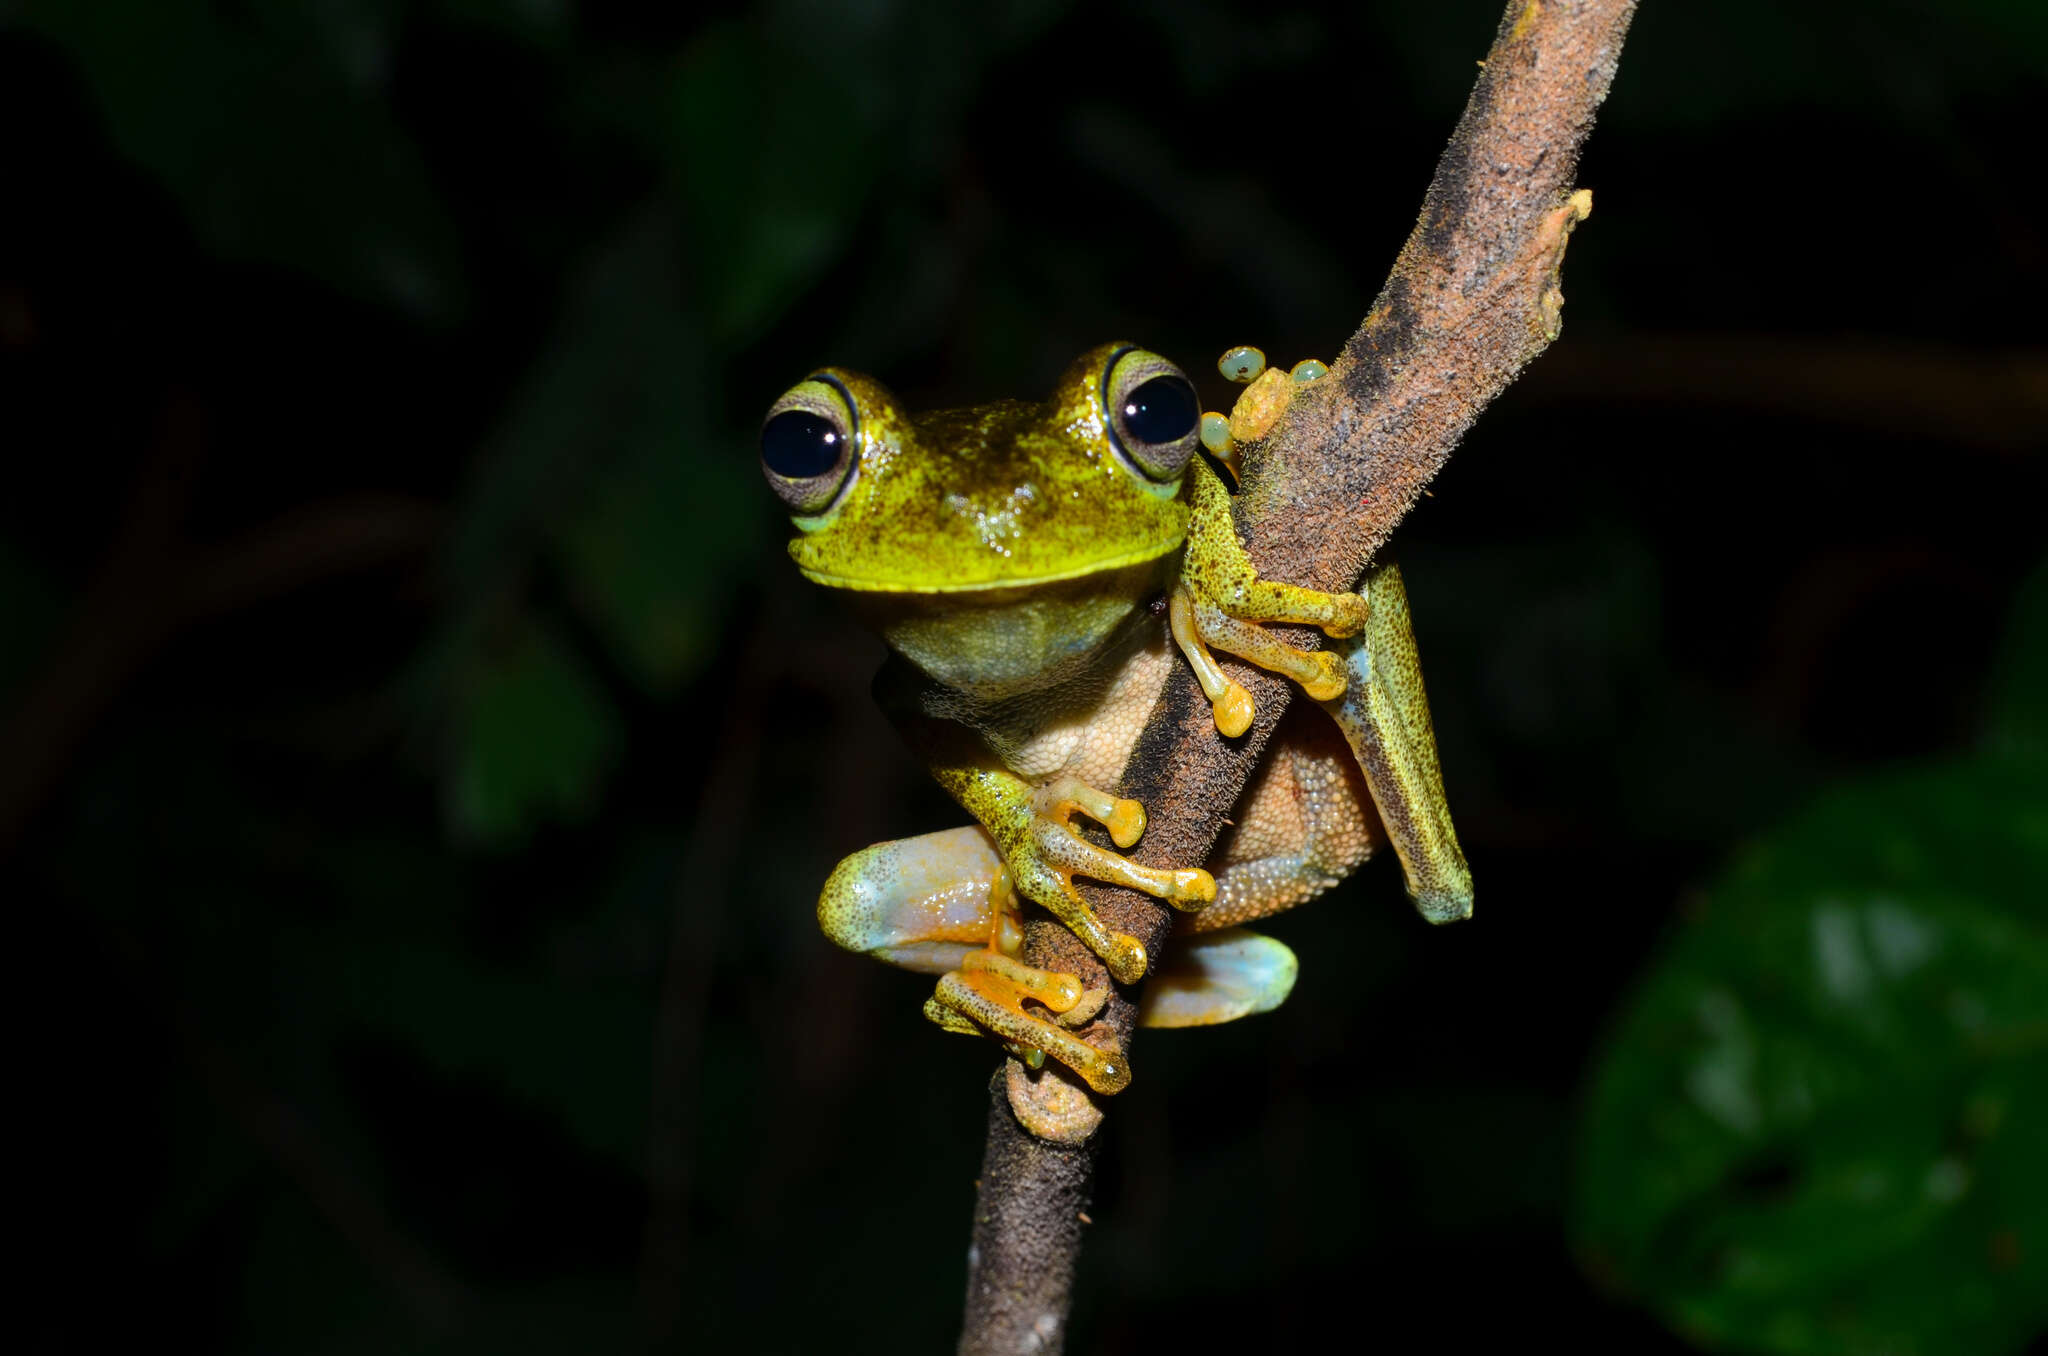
(1032, 1011)
(1384, 715)
(1304, 824)
(942, 904)
(1382, 711)
(920, 903)
(1370, 681)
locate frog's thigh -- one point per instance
(1212, 977)
(1304, 824)
(922, 903)
(1384, 713)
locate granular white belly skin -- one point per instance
(1094, 743)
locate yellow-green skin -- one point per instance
(997, 547)
(1011, 555)
(1003, 551)
(1012, 494)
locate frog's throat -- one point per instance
(992, 644)
(879, 584)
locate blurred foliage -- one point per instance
(1818, 1127)
(295, 134)
(299, 158)
(416, 941)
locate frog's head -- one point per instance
(1006, 496)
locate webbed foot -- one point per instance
(1211, 977)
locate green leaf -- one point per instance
(534, 736)
(1818, 1126)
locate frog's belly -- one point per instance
(1092, 742)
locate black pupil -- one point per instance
(798, 445)
(1163, 410)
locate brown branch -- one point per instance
(1471, 299)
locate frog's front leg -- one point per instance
(1032, 830)
(1371, 683)
(1041, 853)
(1221, 602)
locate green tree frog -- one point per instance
(1017, 559)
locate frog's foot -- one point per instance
(920, 903)
(1198, 625)
(1032, 1011)
(1211, 977)
(1267, 394)
(1053, 854)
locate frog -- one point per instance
(1037, 569)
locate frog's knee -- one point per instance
(921, 903)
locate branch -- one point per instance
(1472, 298)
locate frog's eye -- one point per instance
(1153, 412)
(808, 444)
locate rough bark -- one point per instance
(1471, 299)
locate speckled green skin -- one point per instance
(1004, 495)
(1009, 556)
(998, 548)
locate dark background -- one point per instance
(420, 758)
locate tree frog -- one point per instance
(1028, 565)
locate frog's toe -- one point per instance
(1057, 991)
(1243, 364)
(989, 999)
(1329, 677)
(1197, 625)
(1126, 823)
(1230, 703)
(1043, 868)
(1064, 796)
(1068, 854)
(1349, 613)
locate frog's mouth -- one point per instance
(1107, 566)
